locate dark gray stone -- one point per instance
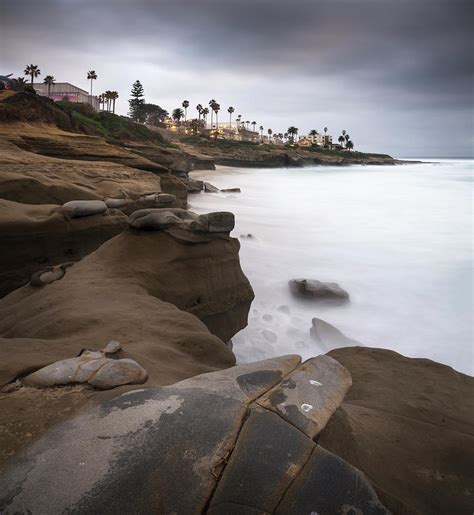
(158, 450)
(201, 445)
(209, 188)
(145, 451)
(231, 190)
(317, 290)
(328, 485)
(268, 456)
(328, 336)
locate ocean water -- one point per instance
(397, 238)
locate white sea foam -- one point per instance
(398, 239)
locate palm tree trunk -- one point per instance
(91, 87)
(113, 106)
(31, 79)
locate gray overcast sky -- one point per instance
(396, 74)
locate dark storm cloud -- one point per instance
(396, 58)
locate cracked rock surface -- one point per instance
(205, 444)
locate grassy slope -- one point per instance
(32, 108)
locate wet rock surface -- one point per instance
(229, 455)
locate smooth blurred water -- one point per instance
(397, 238)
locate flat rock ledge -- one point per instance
(240, 440)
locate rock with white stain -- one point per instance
(309, 396)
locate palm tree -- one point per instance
(254, 124)
(216, 108)
(292, 132)
(247, 123)
(313, 133)
(177, 114)
(341, 139)
(343, 132)
(204, 113)
(230, 110)
(347, 138)
(101, 101)
(261, 132)
(211, 103)
(33, 71)
(349, 145)
(49, 80)
(325, 136)
(185, 104)
(269, 132)
(91, 75)
(199, 110)
(113, 96)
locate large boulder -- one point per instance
(200, 446)
(317, 290)
(409, 425)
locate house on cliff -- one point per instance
(66, 91)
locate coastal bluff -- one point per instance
(120, 390)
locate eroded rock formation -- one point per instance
(152, 290)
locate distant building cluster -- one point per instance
(66, 91)
(239, 131)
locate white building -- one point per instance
(320, 140)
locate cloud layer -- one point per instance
(397, 74)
